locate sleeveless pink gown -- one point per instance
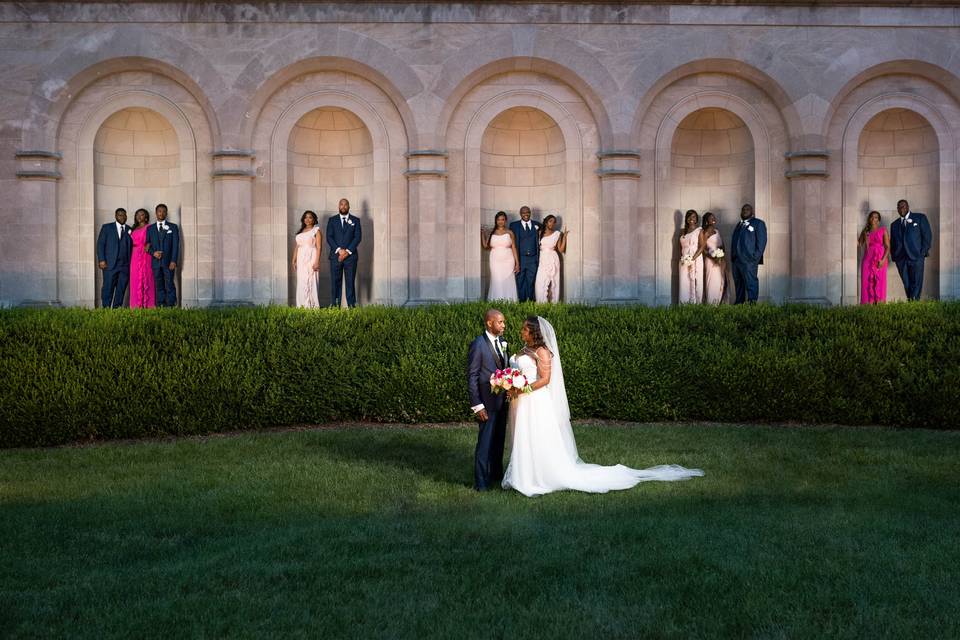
(143, 294)
(873, 281)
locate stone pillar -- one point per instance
(233, 196)
(436, 260)
(619, 184)
(30, 246)
(811, 230)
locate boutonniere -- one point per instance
(749, 228)
(129, 231)
(349, 222)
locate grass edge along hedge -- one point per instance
(75, 374)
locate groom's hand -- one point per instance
(482, 415)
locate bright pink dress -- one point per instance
(143, 294)
(873, 280)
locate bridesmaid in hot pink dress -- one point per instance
(873, 269)
(143, 295)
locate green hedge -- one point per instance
(72, 375)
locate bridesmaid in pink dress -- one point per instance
(875, 241)
(142, 292)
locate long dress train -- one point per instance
(544, 456)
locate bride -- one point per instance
(544, 456)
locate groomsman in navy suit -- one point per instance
(114, 248)
(164, 239)
(746, 255)
(343, 236)
(527, 233)
(910, 241)
(488, 352)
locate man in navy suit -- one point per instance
(527, 233)
(343, 236)
(488, 352)
(746, 255)
(114, 248)
(164, 239)
(910, 241)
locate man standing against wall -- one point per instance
(910, 241)
(114, 248)
(164, 239)
(343, 237)
(527, 233)
(749, 243)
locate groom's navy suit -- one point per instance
(164, 237)
(343, 235)
(482, 360)
(910, 243)
(528, 248)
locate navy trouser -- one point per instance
(488, 457)
(745, 281)
(911, 272)
(527, 278)
(165, 285)
(347, 272)
(114, 288)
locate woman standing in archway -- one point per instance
(552, 244)
(714, 271)
(692, 245)
(306, 260)
(143, 294)
(875, 241)
(504, 261)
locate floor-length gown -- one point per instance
(873, 280)
(143, 293)
(306, 277)
(503, 282)
(544, 457)
(547, 285)
(691, 276)
(714, 274)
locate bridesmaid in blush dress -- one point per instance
(552, 244)
(714, 268)
(504, 260)
(143, 293)
(875, 241)
(306, 260)
(690, 267)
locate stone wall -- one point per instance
(429, 117)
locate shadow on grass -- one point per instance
(446, 458)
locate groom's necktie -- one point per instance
(500, 360)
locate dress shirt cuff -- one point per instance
(477, 409)
(349, 253)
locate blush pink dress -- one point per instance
(143, 294)
(873, 280)
(691, 276)
(503, 283)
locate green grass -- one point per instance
(793, 533)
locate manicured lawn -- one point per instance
(793, 533)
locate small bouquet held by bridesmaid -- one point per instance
(509, 379)
(686, 261)
(717, 254)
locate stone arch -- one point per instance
(581, 277)
(72, 72)
(377, 74)
(455, 86)
(76, 135)
(849, 131)
(654, 133)
(712, 68)
(387, 206)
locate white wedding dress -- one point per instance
(544, 458)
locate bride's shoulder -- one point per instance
(543, 354)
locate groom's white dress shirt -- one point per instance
(494, 342)
(344, 219)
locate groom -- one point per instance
(487, 354)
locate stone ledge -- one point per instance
(619, 173)
(425, 173)
(807, 153)
(419, 153)
(807, 173)
(234, 173)
(37, 153)
(233, 153)
(39, 175)
(618, 153)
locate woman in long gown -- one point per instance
(143, 292)
(306, 260)
(691, 260)
(875, 241)
(714, 267)
(543, 456)
(504, 260)
(552, 243)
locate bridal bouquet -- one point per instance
(717, 253)
(508, 379)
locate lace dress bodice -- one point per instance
(527, 364)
